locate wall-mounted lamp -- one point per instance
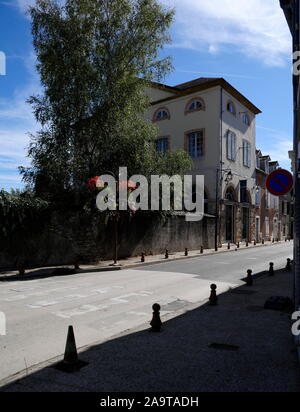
(229, 177)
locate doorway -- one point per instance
(245, 223)
(230, 223)
(257, 229)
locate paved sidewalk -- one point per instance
(135, 261)
(180, 357)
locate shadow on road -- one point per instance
(236, 346)
(38, 274)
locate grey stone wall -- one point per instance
(71, 239)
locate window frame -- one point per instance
(187, 142)
(244, 191)
(232, 150)
(247, 154)
(258, 196)
(230, 103)
(194, 100)
(162, 139)
(161, 109)
(230, 194)
(248, 122)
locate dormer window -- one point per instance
(231, 108)
(161, 114)
(195, 105)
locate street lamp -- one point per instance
(229, 177)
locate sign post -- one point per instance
(280, 182)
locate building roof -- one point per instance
(196, 82)
(200, 84)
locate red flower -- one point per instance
(95, 182)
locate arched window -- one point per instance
(231, 108)
(246, 120)
(195, 105)
(161, 114)
(230, 196)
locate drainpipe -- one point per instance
(219, 174)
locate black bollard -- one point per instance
(238, 245)
(228, 246)
(201, 250)
(254, 243)
(273, 240)
(263, 241)
(21, 270)
(156, 322)
(271, 270)
(247, 244)
(186, 252)
(213, 299)
(249, 279)
(143, 257)
(167, 254)
(288, 267)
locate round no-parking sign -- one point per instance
(280, 182)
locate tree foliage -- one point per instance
(95, 59)
(20, 212)
(22, 216)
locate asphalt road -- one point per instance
(230, 267)
(101, 305)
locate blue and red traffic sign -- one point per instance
(280, 182)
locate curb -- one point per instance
(95, 269)
(221, 251)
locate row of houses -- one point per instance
(216, 125)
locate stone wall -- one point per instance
(70, 239)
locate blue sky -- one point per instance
(245, 41)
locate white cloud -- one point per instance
(255, 28)
(16, 121)
(275, 143)
(24, 4)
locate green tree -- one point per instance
(95, 59)
(22, 217)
